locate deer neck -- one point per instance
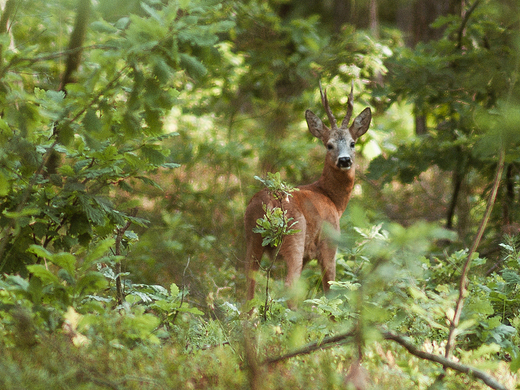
(337, 185)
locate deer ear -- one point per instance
(316, 126)
(361, 123)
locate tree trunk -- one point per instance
(420, 124)
(343, 12)
(457, 183)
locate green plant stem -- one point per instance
(463, 286)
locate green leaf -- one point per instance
(174, 290)
(192, 65)
(514, 366)
(46, 276)
(65, 260)
(149, 182)
(92, 282)
(26, 212)
(5, 186)
(91, 121)
(188, 309)
(152, 12)
(18, 281)
(170, 165)
(40, 251)
(103, 27)
(154, 154)
(97, 252)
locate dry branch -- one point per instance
(334, 341)
(487, 379)
(327, 342)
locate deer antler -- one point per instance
(325, 103)
(350, 108)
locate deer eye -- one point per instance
(352, 144)
(330, 146)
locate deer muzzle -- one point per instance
(344, 162)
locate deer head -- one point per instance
(340, 142)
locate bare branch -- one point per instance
(327, 342)
(334, 341)
(487, 379)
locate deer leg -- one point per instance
(293, 251)
(327, 261)
(294, 270)
(254, 254)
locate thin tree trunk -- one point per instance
(457, 184)
(420, 124)
(507, 205)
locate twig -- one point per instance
(487, 379)
(454, 323)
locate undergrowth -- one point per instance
(56, 335)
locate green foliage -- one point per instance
(217, 91)
(275, 225)
(75, 157)
(462, 85)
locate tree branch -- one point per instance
(76, 41)
(487, 379)
(334, 341)
(327, 342)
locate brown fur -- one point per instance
(313, 206)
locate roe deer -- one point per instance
(314, 205)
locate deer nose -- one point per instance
(344, 162)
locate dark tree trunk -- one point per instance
(420, 124)
(457, 184)
(343, 12)
(509, 199)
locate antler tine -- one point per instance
(325, 103)
(350, 107)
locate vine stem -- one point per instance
(463, 286)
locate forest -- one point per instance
(133, 134)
